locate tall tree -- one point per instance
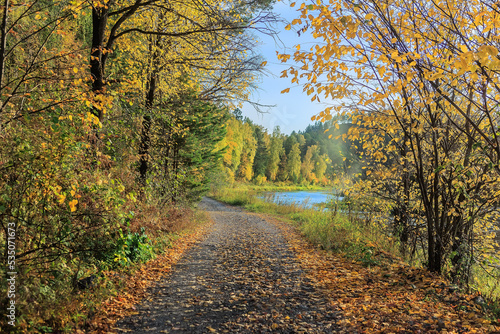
(245, 169)
(261, 154)
(275, 151)
(185, 147)
(282, 170)
(294, 163)
(307, 167)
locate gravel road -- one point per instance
(242, 278)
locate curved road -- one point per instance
(241, 279)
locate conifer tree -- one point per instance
(261, 154)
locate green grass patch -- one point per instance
(256, 188)
(487, 282)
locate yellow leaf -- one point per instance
(368, 16)
(286, 90)
(263, 63)
(72, 205)
(62, 198)
(381, 71)
(75, 70)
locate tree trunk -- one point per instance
(146, 120)
(3, 41)
(401, 214)
(97, 56)
(145, 134)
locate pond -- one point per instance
(306, 199)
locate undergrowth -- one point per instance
(63, 303)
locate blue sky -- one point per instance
(293, 111)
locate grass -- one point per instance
(278, 186)
(487, 282)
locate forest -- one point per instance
(116, 117)
(309, 157)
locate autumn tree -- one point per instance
(274, 154)
(419, 76)
(114, 22)
(308, 163)
(294, 163)
(320, 165)
(39, 60)
(234, 146)
(211, 46)
(245, 169)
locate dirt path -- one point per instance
(241, 278)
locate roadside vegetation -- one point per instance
(108, 289)
(117, 116)
(416, 83)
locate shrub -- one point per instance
(260, 180)
(131, 247)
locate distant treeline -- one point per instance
(312, 156)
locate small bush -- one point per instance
(335, 233)
(132, 247)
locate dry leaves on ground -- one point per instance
(392, 297)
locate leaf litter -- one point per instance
(242, 278)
